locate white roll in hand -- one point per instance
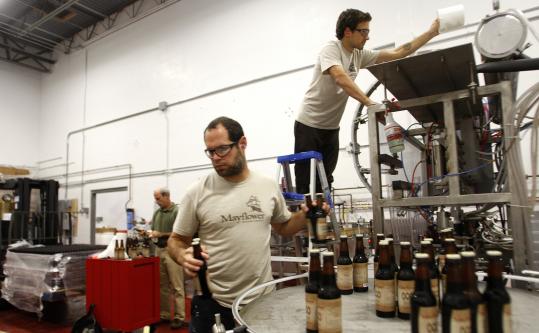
(451, 18)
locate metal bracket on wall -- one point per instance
(163, 106)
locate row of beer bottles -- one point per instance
(464, 308)
(119, 250)
(387, 302)
(322, 297)
(393, 286)
(438, 276)
(323, 291)
(352, 275)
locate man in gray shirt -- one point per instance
(317, 125)
(233, 211)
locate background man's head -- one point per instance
(225, 146)
(162, 197)
(350, 18)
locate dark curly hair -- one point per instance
(350, 18)
(234, 129)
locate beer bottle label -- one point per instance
(310, 307)
(375, 267)
(310, 229)
(481, 318)
(461, 321)
(385, 295)
(405, 291)
(360, 275)
(434, 286)
(344, 277)
(321, 228)
(329, 315)
(507, 327)
(427, 320)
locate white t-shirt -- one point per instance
(233, 223)
(324, 101)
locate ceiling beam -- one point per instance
(39, 69)
(23, 52)
(49, 16)
(89, 11)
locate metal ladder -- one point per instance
(317, 168)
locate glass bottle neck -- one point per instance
(422, 276)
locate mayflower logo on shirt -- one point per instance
(352, 67)
(254, 215)
(254, 204)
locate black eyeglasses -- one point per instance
(364, 32)
(220, 151)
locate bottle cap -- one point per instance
(384, 242)
(421, 255)
(327, 253)
(425, 242)
(452, 257)
(494, 253)
(468, 254)
(405, 243)
(314, 251)
(449, 240)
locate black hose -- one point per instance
(509, 66)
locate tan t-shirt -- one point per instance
(324, 101)
(233, 222)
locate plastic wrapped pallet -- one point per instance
(48, 273)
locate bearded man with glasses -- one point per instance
(232, 210)
(317, 125)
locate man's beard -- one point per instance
(235, 169)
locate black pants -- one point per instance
(323, 141)
(203, 312)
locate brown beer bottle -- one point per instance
(456, 311)
(379, 237)
(202, 278)
(116, 250)
(321, 219)
(311, 291)
(311, 217)
(424, 308)
(329, 298)
(121, 250)
(384, 284)
(345, 268)
(450, 247)
(476, 300)
(361, 282)
(497, 298)
(405, 282)
(446, 233)
(394, 265)
(426, 247)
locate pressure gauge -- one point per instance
(501, 35)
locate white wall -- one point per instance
(19, 111)
(192, 48)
